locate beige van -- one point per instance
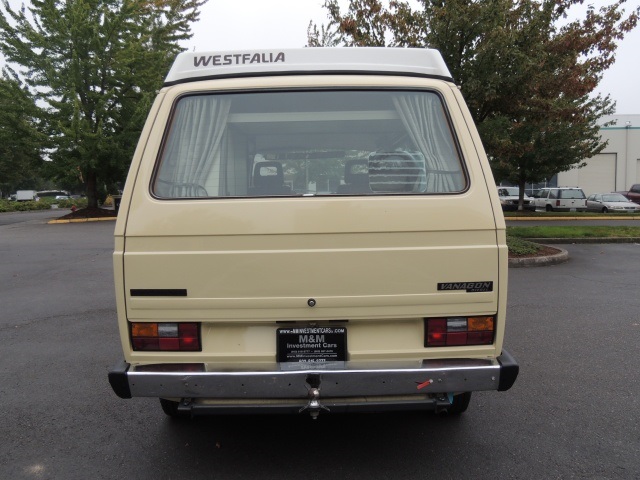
(310, 230)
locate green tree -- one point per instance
(325, 36)
(94, 67)
(526, 72)
(21, 142)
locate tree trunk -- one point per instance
(92, 189)
(521, 184)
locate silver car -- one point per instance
(611, 202)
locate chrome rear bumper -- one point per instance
(347, 380)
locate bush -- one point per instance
(6, 206)
(78, 202)
(43, 204)
(47, 201)
(31, 205)
(519, 247)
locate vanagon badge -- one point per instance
(469, 287)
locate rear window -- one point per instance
(308, 143)
(569, 194)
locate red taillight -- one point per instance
(165, 337)
(457, 331)
(143, 343)
(436, 331)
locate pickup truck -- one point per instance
(633, 194)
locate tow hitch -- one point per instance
(314, 406)
(443, 402)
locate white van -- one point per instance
(560, 199)
(310, 230)
(26, 195)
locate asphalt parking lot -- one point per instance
(573, 412)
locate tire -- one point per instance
(605, 210)
(460, 404)
(548, 208)
(170, 408)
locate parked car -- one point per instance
(561, 199)
(611, 202)
(509, 197)
(56, 194)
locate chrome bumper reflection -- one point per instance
(351, 379)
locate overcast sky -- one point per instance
(250, 24)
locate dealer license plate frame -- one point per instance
(311, 345)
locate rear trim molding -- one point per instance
(158, 292)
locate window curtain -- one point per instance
(192, 154)
(424, 119)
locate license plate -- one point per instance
(312, 345)
(572, 209)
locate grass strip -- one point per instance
(574, 232)
(543, 214)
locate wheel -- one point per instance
(548, 208)
(170, 407)
(460, 404)
(605, 210)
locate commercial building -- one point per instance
(618, 166)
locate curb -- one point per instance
(82, 220)
(555, 241)
(563, 256)
(568, 217)
(560, 257)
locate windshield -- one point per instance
(511, 191)
(309, 143)
(614, 197)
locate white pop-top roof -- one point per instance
(192, 66)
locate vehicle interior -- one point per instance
(309, 143)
